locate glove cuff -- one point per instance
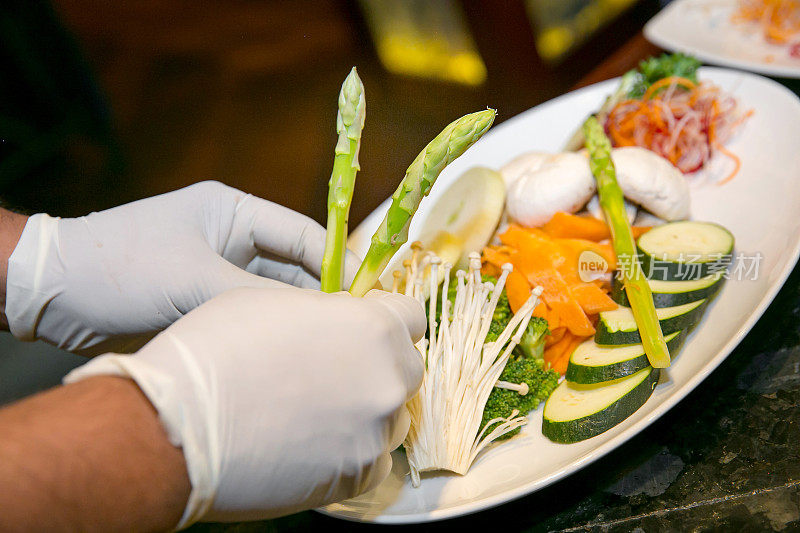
(186, 428)
(26, 293)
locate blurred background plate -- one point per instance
(760, 206)
(705, 29)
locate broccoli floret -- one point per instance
(532, 342)
(502, 313)
(502, 402)
(655, 68)
(531, 346)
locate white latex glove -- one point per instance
(110, 280)
(282, 399)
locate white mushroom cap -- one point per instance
(652, 182)
(522, 164)
(563, 183)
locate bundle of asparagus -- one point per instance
(419, 178)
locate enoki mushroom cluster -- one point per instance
(460, 368)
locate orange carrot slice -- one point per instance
(592, 299)
(518, 290)
(567, 226)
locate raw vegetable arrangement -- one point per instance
(663, 107)
(570, 279)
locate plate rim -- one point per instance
(602, 450)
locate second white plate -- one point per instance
(703, 28)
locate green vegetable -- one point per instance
(593, 363)
(672, 293)
(420, 177)
(620, 327)
(503, 402)
(578, 412)
(349, 124)
(612, 202)
(531, 344)
(685, 250)
(657, 68)
(502, 313)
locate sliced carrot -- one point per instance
(554, 351)
(556, 334)
(592, 299)
(512, 236)
(557, 354)
(573, 248)
(535, 245)
(495, 256)
(567, 226)
(538, 258)
(562, 362)
(666, 82)
(553, 320)
(573, 317)
(568, 303)
(737, 164)
(489, 269)
(518, 290)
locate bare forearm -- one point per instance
(91, 456)
(11, 226)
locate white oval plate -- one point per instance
(761, 206)
(703, 28)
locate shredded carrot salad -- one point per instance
(682, 121)
(779, 19)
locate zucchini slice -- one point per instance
(576, 412)
(685, 250)
(673, 293)
(619, 326)
(593, 363)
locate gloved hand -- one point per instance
(110, 280)
(282, 399)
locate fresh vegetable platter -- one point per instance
(759, 206)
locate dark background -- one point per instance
(103, 102)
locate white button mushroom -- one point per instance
(522, 164)
(564, 182)
(652, 182)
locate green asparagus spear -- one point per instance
(636, 286)
(420, 177)
(349, 123)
